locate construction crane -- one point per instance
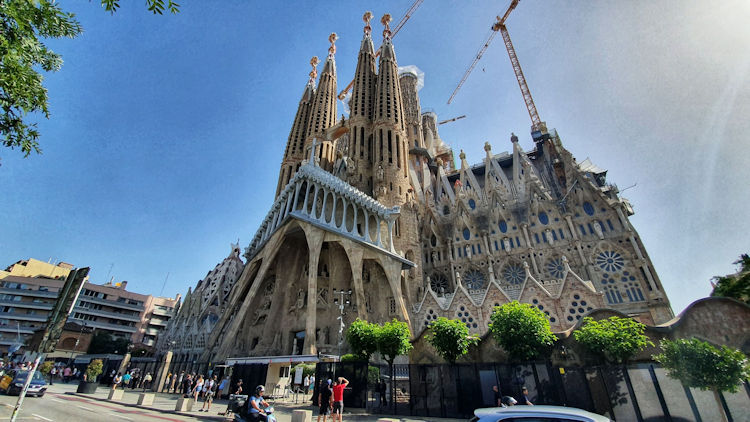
(452, 120)
(394, 31)
(499, 26)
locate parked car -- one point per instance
(13, 380)
(536, 414)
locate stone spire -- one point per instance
(388, 105)
(323, 113)
(361, 106)
(294, 153)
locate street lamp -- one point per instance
(343, 299)
(78, 340)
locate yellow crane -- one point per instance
(536, 123)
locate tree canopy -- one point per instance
(450, 338)
(521, 330)
(736, 285)
(103, 342)
(699, 364)
(362, 337)
(615, 339)
(25, 24)
(393, 340)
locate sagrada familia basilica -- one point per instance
(371, 219)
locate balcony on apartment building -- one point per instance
(103, 325)
(22, 316)
(29, 305)
(28, 292)
(101, 313)
(112, 303)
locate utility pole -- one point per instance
(66, 300)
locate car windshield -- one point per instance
(21, 376)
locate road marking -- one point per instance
(42, 417)
(7, 405)
(59, 401)
(86, 408)
(121, 417)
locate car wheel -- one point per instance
(40, 395)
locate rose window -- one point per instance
(514, 274)
(438, 283)
(555, 268)
(610, 261)
(474, 280)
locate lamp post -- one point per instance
(343, 299)
(78, 340)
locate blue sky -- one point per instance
(167, 132)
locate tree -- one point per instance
(736, 285)
(362, 337)
(699, 364)
(46, 367)
(393, 340)
(24, 24)
(103, 342)
(521, 330)
(615, 339)
(450, 338)
(94, 369)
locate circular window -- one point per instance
(543, 218)
(467, 234)
(474, 280)
(514, 274)
(588, 208)
(610, 261)
(438, 283)
(555, 268)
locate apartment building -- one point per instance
(26, 301)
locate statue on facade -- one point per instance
(506, 243)
(598, 229)
(434, 257)
(467, 249)
(548, 234)
(380, 172)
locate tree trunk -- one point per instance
(724, 417)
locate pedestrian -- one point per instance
(52, 373)
(76, 373)
(312, 381)
(325, 400)
(525, 397)
(498, 396)
(382, 390)
(116, 381)
(198, 387)
(256, 410)
(187, 384)
(209, 389)
(66, 374)
(147, 381)
(306, 383)
(135, 380)
(126, 380)
(167, 383)
(338, 398)
(237, 390)
(222, 386)
(179, 382)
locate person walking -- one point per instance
(147, 381)
(198, 387)
(66, 374)
(52, 373)
(187, 384)
(525, 397)
(325, 400)
(498, 396)
(209, 389)
(306, 383)
(116, 381)
(338, 398)
(179, 382)
(222, 386)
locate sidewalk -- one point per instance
(165, 403)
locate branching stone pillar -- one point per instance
(392, 269)
(314, 243)
(354, 254)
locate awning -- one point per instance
(279, 359)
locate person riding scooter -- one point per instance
(257, 411)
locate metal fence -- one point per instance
(637, 392)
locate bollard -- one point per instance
(184, 404)
(115, 395)
(302, 416)
(146, 399)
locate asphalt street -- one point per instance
(58, 406)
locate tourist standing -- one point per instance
(325, 400)
(525, 397)
(209, 389)
(338, 398)
(498, 396)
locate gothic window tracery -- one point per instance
(475, 280)
(555, 268)
(430, 316)
(439, 283)
(577, 308)
(514, 274)
(466, 317)
(610, 261)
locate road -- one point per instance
(58, 406)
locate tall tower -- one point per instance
(412, 109)
(295, 153)
(323, 114)
(389, 130)
(361, 106)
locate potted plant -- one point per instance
(88, 384)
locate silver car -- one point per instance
(536, 414)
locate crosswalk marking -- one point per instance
(120, 416)
(41, 417)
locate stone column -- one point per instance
(314, 242)
(392, 270)
(161, 373)
(354, 254)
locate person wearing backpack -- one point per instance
(209, 390)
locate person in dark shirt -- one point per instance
(525, 397)
(187, 385)
(325, 400)
(498, 396)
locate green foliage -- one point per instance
(373, 375)
(154, 6)
(393, 340)
(521, 330)
(351, 357)
(736, 285)
(46, 367)
(615, 339)
(103, 342)
(307, 369)
(94, 369)
(362, 337)
(450, 338)
(21, 53)
(699, 364)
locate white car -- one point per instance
(536, 414)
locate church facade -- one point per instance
(372, 220)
